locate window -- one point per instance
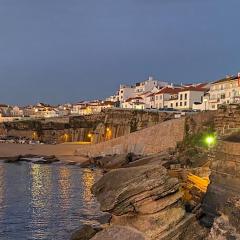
(180, 97)
(171, 105)
(176, 104)
(185, 96)
(180, 103)
(185, 103)
(156, 97)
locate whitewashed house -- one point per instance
(134, 103)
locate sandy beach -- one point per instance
(64, 152)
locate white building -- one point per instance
(224, 91)
(134, 103)
(178, 97)
(148, 85)
(125, 92)
(145, 87)
(204, 105)
(190, 95)
(165, 95)
(16, 111)
(91, 107)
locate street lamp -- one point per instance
(210, 140)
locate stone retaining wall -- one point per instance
(147, 141)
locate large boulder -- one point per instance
(119, 233)
(128, 190)
(142, 197)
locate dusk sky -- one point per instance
(58, 51)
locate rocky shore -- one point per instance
(144, 201)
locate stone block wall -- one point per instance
(227, 120)
(147, 141)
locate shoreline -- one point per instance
(63, 152)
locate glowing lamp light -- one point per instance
(108, 129)
(89, 135)
(210, 140)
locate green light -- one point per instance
(210, 140)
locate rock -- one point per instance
(104, 219)
(113, 161)
(151, 159)
(127, 189)
(86, 164)
(119, 233)
(86, 232)
(193, 231)
(153, 225)
(12, 159)
(223, 230)
(143, 197)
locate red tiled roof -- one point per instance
(152, 94)
(228, 78)
(197, 88)
(130, 99)
(169, 90)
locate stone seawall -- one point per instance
(147, 141)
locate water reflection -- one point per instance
(2, 183)
(44, 202)
(41, 188)
(64, 186)
(87, 181)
